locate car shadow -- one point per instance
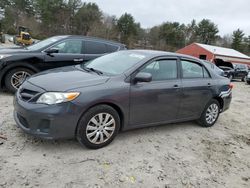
(124, 136)
(238, 81)
(5, 93)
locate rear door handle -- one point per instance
(176, 86)
(77, 60)
(209, 85)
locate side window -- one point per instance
(191, 69)
(70, 46)
(162, 69)
(92, 47)
(206, 74)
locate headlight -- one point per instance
(56, 97)
(4, 56)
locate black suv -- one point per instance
(16, 64)
(239, 71)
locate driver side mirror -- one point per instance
(143, 77)
(52, 51)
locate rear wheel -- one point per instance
(210, 114)
(15, 77)
(98, 127)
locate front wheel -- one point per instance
(210, 114)
(98, 127)
(243, 79)
(15, 77)
(230, 77)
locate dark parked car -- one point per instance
(228, 72)
(120, 91)
(216, 69)
(239, 71)
(16, 64)
(248, 78)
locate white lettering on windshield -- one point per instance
(137, 56)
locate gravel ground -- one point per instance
(174, 155)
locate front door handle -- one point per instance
(78, 60)
(209, 85)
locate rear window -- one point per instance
(193, 70)
(111, 48)
(92, 47)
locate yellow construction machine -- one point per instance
(23, 38)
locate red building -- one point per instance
(215, 53)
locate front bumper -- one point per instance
(47, 121)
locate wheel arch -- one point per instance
(111, 104)
(220, 100)
(14, 66)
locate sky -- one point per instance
(229, 15)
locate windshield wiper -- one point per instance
(92, 70)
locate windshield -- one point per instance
(240, 66)
(44, 43)
(115, 63)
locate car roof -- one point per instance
(93, 39)
(155, 53)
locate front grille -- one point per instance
(27, 94)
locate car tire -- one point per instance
(243, 79)
(12, 77)
(230, 77)
(210, 114)
(95, 131)
(3, 38)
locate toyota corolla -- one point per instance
(120, 91)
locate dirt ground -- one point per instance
(175, 155)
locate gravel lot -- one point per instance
(175, 155)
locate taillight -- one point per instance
(231, 86)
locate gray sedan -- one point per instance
(120, 91)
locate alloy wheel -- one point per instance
(18, 78)
(100, 128)
(212, 113)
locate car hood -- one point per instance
(66, 78)
(14, 50)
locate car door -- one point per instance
(196, 89)
(156, 101)
(94, 49)
(69, 53)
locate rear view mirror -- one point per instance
(52, 50)
(143, 77)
